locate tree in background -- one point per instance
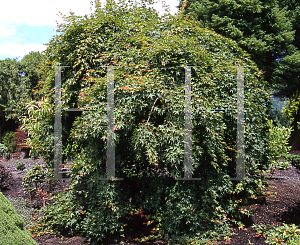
(17, 81)
(9, 79)
(267, 29)
(290, 65)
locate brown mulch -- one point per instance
(280, 205)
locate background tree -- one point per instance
(17, 81)
(267, 29)
(290, 65)
(9, 79)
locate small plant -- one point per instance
(278, 144)
(285, 234)
(283, 165)
(5, 178)
(295, 160)
(35, 180)
(7, 156)
(10, 142)
(3, 149)
(20, 166)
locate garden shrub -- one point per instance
(295, 160)
(20, 166)
(3, 149)
(36, 179)
(12, 230)
(10, 141)
(5, 178)
(285, 234)
(149, 124)
(278, 143)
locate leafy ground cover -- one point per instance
(279, 205)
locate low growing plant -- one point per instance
(285, 234)
(35, 179)
(10, 142)
(20, 166)
(12, 230)
(278, 138)
(5, 178)
(3, 149)
(283, 165)
(295, 160)
(7, 156)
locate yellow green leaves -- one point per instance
(278, 142)
(292, 107)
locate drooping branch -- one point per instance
(153, 108)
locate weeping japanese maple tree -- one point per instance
(149, 54)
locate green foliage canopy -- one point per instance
(268, 30)
(17, 81)
(10, 142)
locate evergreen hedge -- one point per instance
(12, 230)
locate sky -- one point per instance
(28, 25)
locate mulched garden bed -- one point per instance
(280, 205)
